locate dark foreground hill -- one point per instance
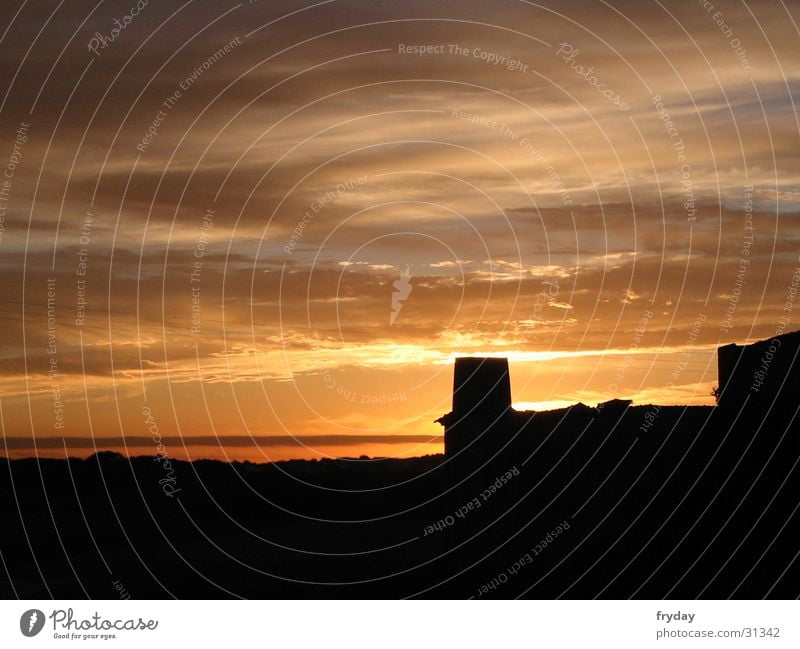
(585, 503)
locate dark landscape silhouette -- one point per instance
(614, 501)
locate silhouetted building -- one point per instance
(759, 373)
(481, 401)
(614, 406)
(481, 387)
(764, 375)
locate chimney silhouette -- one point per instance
(481, 387)
(481, 403)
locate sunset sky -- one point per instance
(206, 212)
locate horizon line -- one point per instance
(236, 441)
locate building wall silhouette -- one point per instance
(760, 373)
(764, 377)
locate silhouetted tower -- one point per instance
(481, 386)
(481, 401)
